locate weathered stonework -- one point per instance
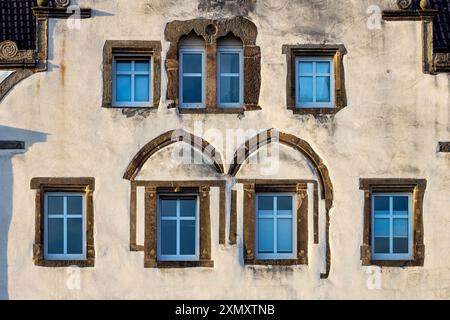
(212, 30)
(417, 188)
(151, 48)
(337, 52)
(42, 185)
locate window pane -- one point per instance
(142, 66)
(306, 89)
(229, 63)
(265, 235)
(381, 205)
(323, 89)
(75, 205)
(284, 203)
(284, 235)
(187, 237)
(400, 227)
(188, 207)
(192, 89)
(401, 245)
(141, 88)
(381, 245)
(74, 236)
(55, 235)
(55, 205)
(229, 89)
(123, 66)
(265, 203)
(123, 88)
(168, 207)
(400, 205)
(305, 67)
(322, 67)
(168, 237)
(382, 228)
(192, 63)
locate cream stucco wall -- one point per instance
(390, 129)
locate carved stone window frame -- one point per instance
(337, 53)
(148, 48)
(212, 30)
(152, 189)
(82, 185)
(300, 188)
(417, 188)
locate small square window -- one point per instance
(314, 82)
(64, 226)
(178, 225)
(392, 228)
(132, 81)
(229, 77)
(275, 226)
(192, 78)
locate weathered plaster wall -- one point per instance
(390, 128)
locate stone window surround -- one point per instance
(337, 52)
(211, 30)
(417, 188)
(433, 62)
(150, 48)
(152, 189)
(300, 188)
(43, 185)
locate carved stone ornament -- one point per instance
(442, 59)
(62, 3)
(404, 4)
(8, 49)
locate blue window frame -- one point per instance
(178, 225)
(131, 81)
(392, 226)
(275, 226)
(229, 77)
(314, 82)
(64, 226)
(192, 78)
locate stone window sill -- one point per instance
(315, 111)
(293, 262)
(180, 264)
(218, 110)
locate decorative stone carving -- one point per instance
(62, 3)
(42, 3)
(404, 4)
(8, 49)
(423, 4)
(442, 59)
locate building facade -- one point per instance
(216, 149)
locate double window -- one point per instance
(178, 225)
(275, 226)
(314, 82)
(192, 77)
(64, 226)
(132, 81)
(392, 228)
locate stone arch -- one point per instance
(166, 139)
(269, 136)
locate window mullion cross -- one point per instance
(65, 223)
(275, 224)
(178, 227)
(391, 224)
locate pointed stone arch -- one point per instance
(165, 140)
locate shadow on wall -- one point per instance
(6, 191)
